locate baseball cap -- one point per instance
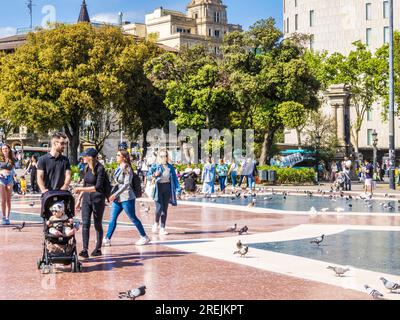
(90, 152)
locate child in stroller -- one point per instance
(338, 185)
(59, 246)
(59, 224)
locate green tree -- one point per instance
(60, 76)
(194, 86)
(294, 116)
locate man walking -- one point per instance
(54, 169)
(369, 172)
(347, 173)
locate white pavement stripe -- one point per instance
(304, 268)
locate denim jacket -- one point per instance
(175, 186)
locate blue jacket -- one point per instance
(175, 186)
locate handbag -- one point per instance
(150, 186)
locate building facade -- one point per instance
(333, 26)
(204, 21)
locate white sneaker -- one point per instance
(154, 229)
(163, 232)
(142, 241)
(106, 242)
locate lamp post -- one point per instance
(1, 135)
(392, 153)
(375, 144)
(317, 146)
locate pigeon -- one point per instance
(325, 209)
(372, 292)
(242, 251)
(252, 204)
(268, 198)
(313, 210)
(19, 228)
(339, 271)
(133, 294)
(239, 245)
(32, 204)
(390, 285)
(339, 209)
(350, 206)
(243, 230)
(318, 240)
(386, 195)
(233, 228)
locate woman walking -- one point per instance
(208, 177)
(166, 188)
(124, 199)
(222, 170)
(92, 200)
(7, 166)
(233, 172)
(32, 170)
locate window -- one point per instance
(368, 11)
(312, 17)
(182, 30)
(296, 22)
(386, 9)
(284, 6)
(312, 42)
(368, 36)
(196, 15)
(386, 35)
(295, 3)
(216, 33)
(217, 17)
(209, 32)
(369, 115)
(287, 26)
(369, 137)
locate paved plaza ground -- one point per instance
(195, 261)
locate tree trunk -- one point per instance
(144, 146)
(298, 138)
(266, 147)
(72, 131)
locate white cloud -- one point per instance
(7, 31)
(112, 17)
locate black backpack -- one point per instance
(107, 186)
(137, 185)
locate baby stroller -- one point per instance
(58, 249)
(338, 185)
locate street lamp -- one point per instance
(317, 146)
(2, 135)
(375, 144)
(392, 152)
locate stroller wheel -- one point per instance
(73, 267)
(45, 269)
(80, 267)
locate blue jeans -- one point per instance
(251, 181)
(222, 181)
(233, 177)
(129, 208)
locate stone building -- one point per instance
(204, 21)
(333, 26)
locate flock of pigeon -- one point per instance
(340, 271)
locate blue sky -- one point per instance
(14, 14)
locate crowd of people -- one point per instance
(162, 182)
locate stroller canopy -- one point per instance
(51, 197)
